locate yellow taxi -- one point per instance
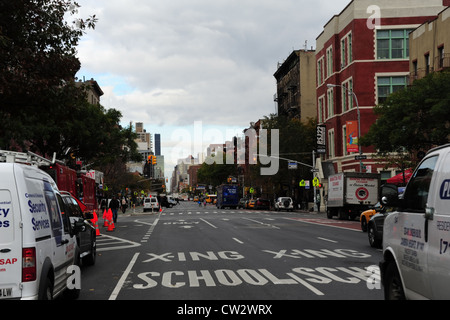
(251, 204)
(368, 214)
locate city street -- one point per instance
(202, 253)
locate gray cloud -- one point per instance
(177, 61)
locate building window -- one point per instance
(441, 57)
(331, 153)
(427, 63)
(320, 71)
(321, 109)
(346, 51)
(329, 62)
(389, 85)
(347, 97)
(330, 103)
(393, 44)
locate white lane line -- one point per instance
(121, 282)
(262, 223)
(238, 241)
(325, 239)
(208, 223)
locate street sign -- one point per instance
(302, 183)
(316, 182)
(321, 135)
(307, 184)
(361, 157)
(292, 165)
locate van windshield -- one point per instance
(6, 218)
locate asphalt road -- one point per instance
(195, 253)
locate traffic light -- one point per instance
(149, 159)
(154, 160)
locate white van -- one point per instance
(151, 204)
(37, 242)
(416, 237)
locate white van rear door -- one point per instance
(10, 237)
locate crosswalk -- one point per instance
(107, 242)
(207, 212)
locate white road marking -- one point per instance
(324, 239)
(208, 223)
(119, 285)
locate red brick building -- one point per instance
(365, 50)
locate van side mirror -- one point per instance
(390, 195)
(79, 226)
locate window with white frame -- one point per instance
(388, 85)
(331, 152)
(320, 71)
(347, 97)
(393, 44)
(321, 107)
(329, 61)
(346, 50)
(330, 103)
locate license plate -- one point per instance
(5, 293)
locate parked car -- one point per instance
(375, 229)
(251, 204)
(284, 203)
(172, 200)
(151, 204)
(262, 204)
(368, 214)
(242, 203)
(86, 239)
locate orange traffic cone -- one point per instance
(111, 226)
(105, 218)
(95, 222)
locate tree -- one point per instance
(37, 61)
(414, 119)
(216, 174)
(43, 109)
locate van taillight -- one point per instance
(28, 264)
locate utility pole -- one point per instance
(314, 174)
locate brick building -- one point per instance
(364, 50)
(296, 95)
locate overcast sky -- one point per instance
(171, 63)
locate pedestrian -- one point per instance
(114, 206)
(124, 205)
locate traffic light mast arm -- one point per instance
(289, 160)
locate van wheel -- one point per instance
(393, 288)
(46, 292)
(89, 260)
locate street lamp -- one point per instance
(350, 92)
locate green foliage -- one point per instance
(42, 108)
(413, 119)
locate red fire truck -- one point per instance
(78, 184)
